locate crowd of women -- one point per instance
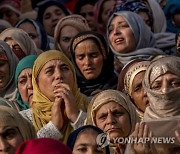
(90, 76)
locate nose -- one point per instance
(144, 92)
(54, 17)
(110, 119)
(4, 145)
(165, 87)
(87, 60)
(117, 30)
(58, 74)
(29, 84)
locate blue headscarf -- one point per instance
(73, 136)
(26, 62)
(172, 7)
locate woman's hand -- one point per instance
(142, 131)
(56, 114)
(64, 92)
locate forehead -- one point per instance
(52, 8)
(54, 62)
(110, 105)
(118, 19)
(69, 30)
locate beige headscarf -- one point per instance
(10, 117)
(42, 104)
(105, 97)
(22, 38)
(162, 104)
(76, 21)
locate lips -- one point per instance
(89, 70)
(119, 40)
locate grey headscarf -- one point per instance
(9, 91)
(145, 40)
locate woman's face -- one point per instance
(25, 85)
(15, 48)
(32, 32)
(4, 73)
(107, 6)
(89, 59)
(66, 35)
(139, 95)
(113, 119)
(87, 12)
(10, 139)
(166, 83)
(9, 15)
(121, 36)
(145, 18)
(86, 143)
(53, 73)
(51, 17)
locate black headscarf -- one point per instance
(108, 78)
(45, 4)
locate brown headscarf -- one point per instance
(42, 104)
(10, 117)
(76, 21)
(107, 96)
(162, 104)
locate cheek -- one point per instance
(16, 141)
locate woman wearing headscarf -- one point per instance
(66, 29)
(93, 62)
(43, 145)
(49, 13)
(164, 40)
(23, 80)
(130, 81)
(14, 130)
(132, 39)
(58, 106)
(171, 11)
(7, 72)
(112, 111)
(36, 31)
(162, 84)
(102, 11)
(79, 137)
(20, 42)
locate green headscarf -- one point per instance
(26, 62)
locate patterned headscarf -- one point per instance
(107, 96)
(162, 104)
(42, 104)
(9, 91)
(132, 72)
